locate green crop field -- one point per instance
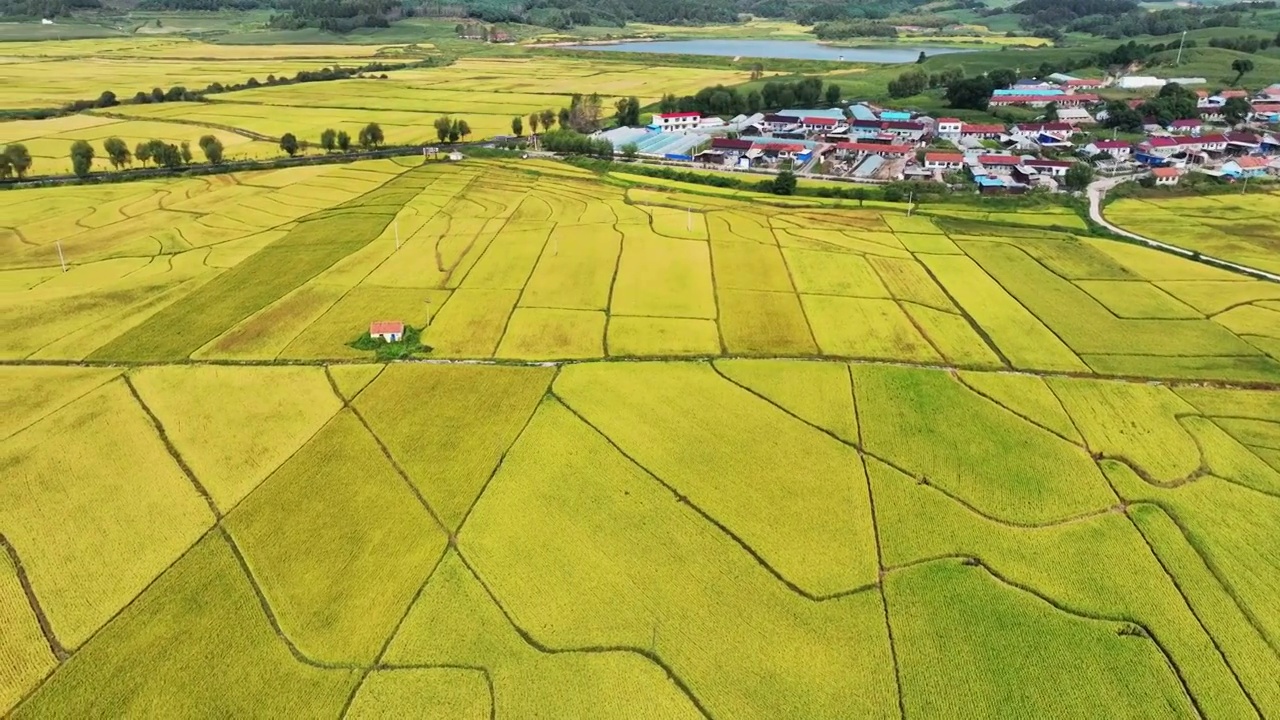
(663, 453)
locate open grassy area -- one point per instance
(672, 455)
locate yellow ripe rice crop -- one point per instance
(248, 422)
(1015, 332)
(351, 379)
(450, 446)
(663, 277)
(764, 323)
(31, 393)
(946, 435)
(350, 316)
(1134, 422)
(100, 518)
(952, 336)
(341, 570)
(748, 266)
(650, 572)
(818, 392)
(1025, 395)
(550, 334)
(471, 322)
(25, 656)
(865, 329)
(822, 273)
(736, 466)
(575, 271)
(457, 693)
(195, 641)
(661, 337)
(1129, 299)
(456, 622)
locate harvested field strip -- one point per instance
(262, 278)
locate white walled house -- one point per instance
(387, 330)
(677, 122)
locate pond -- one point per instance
(787, 49)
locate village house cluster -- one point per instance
(867, 143)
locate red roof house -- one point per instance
(387, 330)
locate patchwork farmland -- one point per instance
(672, 452)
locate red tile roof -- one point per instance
(1005, 160)
(944, 157)
(730, 144)
(382, 327)
(1252, 162)
(1111, 144)
(820, 121)
(1166, 172)
(982, 129)
(948, 120)
(680, 115)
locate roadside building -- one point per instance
(1186, 125)
(948, 127)
(867, 148)
(943, 161)
(677, 122)
(1052, 168)
(981, 132)
(1118, 149)
(387, 330)
(1166, 175)
(1248, 166)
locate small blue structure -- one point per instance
(895, 115)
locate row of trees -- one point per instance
(14, 160)
(776, 94)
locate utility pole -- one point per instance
(910, 202)
(397, 233)
(1181, 42)
(61, 259)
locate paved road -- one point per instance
(1098, 189)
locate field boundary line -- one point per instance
(1065, 609)
(795, 289)
(63, 406)
(270, 614)
(1215, 571)
(502, 459)
(391, 636)
(1173, 580)
(60, 653)
(875, 528)
(172, 449)
(683, 499)
(977, 328)
(541, 647)
(1080, 443)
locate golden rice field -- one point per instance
(677, 455)
(1238, 228)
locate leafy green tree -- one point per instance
(833, 94)
(463, 128)
(81, 158)
(1078, 176)
(185, 150)
(444, 124)
(784, 183)
(1051, 112)
(564, 117)
(920, 60)
(371, 135)
(970, 94)
(454, 132)
(329, 139)
(166, 154)
(548, 118)
(911, 82)
(6, 167)
(211, 146)
(517, 126)
(157, 95)
(344, 141)
(117, 152)
(630, 151)
(534, 119)
(289, 144)
(142, 151)
(1242, 66)
(107, 99)
(860, 194)
(19, 159)
(1002, 77)
(1236, 110)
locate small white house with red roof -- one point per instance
(387, 330)
(943, 161)
(676, 122)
